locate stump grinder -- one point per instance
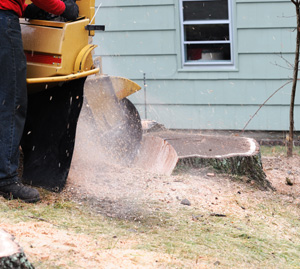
(61, 76)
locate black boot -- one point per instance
(19, 191)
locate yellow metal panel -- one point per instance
(42, 83)
(41, 70)
(42, 39)
(62, 78)
(86, 8)
(75, 39)
(83, 60)
(56, 24)
(66, 42)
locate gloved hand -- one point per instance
(71, 12)
(32, 12)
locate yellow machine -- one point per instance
(59, 49)
(59, 60)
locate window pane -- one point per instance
(208, 52)
(206, 32)
(205, 10)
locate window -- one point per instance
(206, 32)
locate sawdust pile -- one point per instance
(112, 189)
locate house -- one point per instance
(203, 64)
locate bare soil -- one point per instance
(124, 193)
(284, 174)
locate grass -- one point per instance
(265, 233)
(277, 150)
(231, 241)
(268, 236)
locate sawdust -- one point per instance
(121, 192)
(128, 193)
(42, 240)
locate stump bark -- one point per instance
(249, 166)
(11, 254)
(226, 154)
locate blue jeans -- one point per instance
(13, 95)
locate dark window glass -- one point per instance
(206, 32)
(205, 10)
(208, 52)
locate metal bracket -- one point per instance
(93, 27)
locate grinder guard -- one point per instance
(49, 134)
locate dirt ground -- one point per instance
(120, 192)
(284, 174)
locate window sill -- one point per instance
(208, 69)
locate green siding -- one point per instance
(220, 92)
(143, 36)
(263, 14)
(219, 117)
(133, 67)
(133, 18)
(263, 66)
(258, 66)
(126, 3)
(278, 40)
(133, 45)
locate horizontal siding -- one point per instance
(258, 66)
(145, 42)
(278, 40)
(134, 43)
(220, 92)
(122, 3)
(136, 18)
(133, 67)
(220, 117)
(143, 36)
(262, 1)
(261, 14)
(263, 66)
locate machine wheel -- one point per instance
(123, 141)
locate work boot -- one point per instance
(19, 191)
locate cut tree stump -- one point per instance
(227, 154)
(11, 254)
(156, 155)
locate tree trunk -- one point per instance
(295, 77)
(249, 166)
(11, 254)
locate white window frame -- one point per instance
(216, 64)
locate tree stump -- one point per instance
(227, 154)
(156, 155)
(11, 254)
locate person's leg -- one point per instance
(13, 105)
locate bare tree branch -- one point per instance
(286, 61)
(265, 103)
(284, 67)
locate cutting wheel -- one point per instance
(119, 139)
(123, 140)
(118, 124)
